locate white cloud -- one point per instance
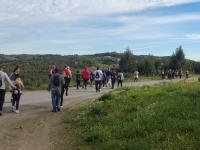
(33, 11)
(193, 37)
(160, 20)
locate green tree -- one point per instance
(177, 59)
(149, 63)
(127, 63)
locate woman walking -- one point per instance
(3, 77)
(86, 77)
(16, 94)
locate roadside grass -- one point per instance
(143, 78)
(160, 117)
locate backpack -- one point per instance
(97, 75)
(119, 77)
(91, 76)
(56, 80)
(1, 82)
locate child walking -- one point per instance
(16, 94)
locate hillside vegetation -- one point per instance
(34, 68)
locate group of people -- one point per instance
(59, 81)
(16, 88)
(172, 74)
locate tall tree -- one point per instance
(177, 59)
(149, 66)
(126, 63)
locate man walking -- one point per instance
(98, 75)
(55, 85)
(120, 78)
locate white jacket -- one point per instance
(98, 75)
(5, 77)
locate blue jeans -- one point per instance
(56, 97)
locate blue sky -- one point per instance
(65, 27)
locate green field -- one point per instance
(161, 117)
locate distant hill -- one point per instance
(34, 68)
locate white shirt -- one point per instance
(4, 77)
(121, 75)
(98, 75)
(136, 74)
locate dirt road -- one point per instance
(36, 127)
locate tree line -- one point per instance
(151, 65)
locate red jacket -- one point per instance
(86, 74)
(68, 73)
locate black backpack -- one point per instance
(56, 80)
(119, 77)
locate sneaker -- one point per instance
(16, 111)
(61, 106)
(13, 108)
(58, 109)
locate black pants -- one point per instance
(67, 83)
(85, 81)
(113, 84)
(78, 83)
(119, 82)
(16, 99)
(104, 82)
(163, 76)
(91, 82)
(98, 85)
(2, 98)
(62, 94)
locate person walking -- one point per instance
(136, 76)
(163, 74)
(3, 77)
(16, 94)
(98, 79)
(108, 78)
(120, 78)
(113, 78)
(180, 73)
(187, 73)
(85, 77)
(13, 77)
(51, 70)
(78, 79)
(104, 79)
(67, 79)
(63, 85)
(91, 79)
(54, 85)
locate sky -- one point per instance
(66, 27)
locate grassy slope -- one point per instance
(164, 117)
